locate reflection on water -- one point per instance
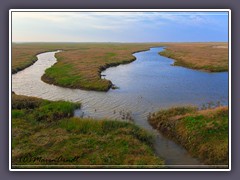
(145, 85)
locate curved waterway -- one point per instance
(145, 85)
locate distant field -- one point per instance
(211, 57)
(80, 64)
(45, 133)
(203, 133)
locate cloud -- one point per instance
(109, 24)
(114, 20)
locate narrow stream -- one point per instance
(145, 85)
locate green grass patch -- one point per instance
(41, 110)
(54, 111)
(110, 55)
(64, 75)
(16, 113)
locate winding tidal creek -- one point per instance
(146, 85)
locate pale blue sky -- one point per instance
(119, 26)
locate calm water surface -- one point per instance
(145, 85)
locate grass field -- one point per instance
(45, 133)
(212, 57)
(204, 133)
(80, 64)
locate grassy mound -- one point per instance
(203, 133)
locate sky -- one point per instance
(119, 26)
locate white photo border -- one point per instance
(118, 10)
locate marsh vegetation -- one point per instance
(204, 133)
(46, 133)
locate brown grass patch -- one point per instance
(211, 57)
